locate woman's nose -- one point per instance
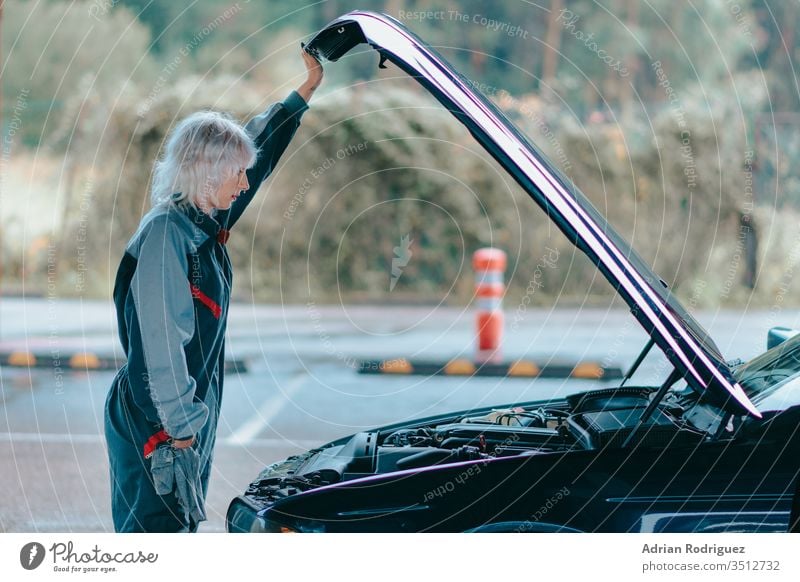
(244, 184)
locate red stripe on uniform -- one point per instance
(206, 300)
(155, 440)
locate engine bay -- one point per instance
(583, 421)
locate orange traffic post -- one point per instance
(489, 265)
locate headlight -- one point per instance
(243, 518)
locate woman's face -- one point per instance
(230, 190)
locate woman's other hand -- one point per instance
(184, 444)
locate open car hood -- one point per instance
(685, 343)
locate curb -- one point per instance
(86, 361)
(585, 370)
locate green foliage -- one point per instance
(50, 48)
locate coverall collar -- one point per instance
(206, 224)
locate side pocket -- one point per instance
(163, 470)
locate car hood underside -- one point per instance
(685, 343)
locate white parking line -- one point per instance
(259, 421)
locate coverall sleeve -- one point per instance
(165, 312)
(272, 131)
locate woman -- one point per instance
(171, 294)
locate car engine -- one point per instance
(588, 420)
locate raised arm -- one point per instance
(313, 76)
(272, 131)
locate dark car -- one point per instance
(714, 448)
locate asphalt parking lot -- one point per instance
(301, 388)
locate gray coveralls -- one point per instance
(171, 294)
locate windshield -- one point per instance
(772, 380)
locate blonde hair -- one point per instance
(203, 150)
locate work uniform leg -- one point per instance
(135, 505)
